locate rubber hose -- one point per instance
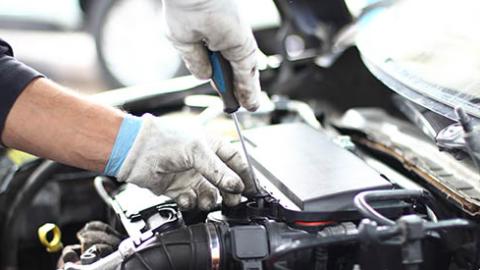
(361, 202)
(187, 248)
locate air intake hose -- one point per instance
(187, 248)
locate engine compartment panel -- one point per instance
(309, 168)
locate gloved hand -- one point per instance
(178, 160)
(95, 233)
(101, 235)
(218, 24)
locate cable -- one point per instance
(334, 239)
(100, 188)
(449, 224)
(361, 202)
(381, 233)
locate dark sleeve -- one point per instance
(14, 77)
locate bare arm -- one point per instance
(165, 156)
(49, 121)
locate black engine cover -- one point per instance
(308, 168)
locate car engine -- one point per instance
(327, 203)
(351, 174)
(325, 208)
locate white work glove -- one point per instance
(178, 160)
(217, 23)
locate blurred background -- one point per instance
(96, 45)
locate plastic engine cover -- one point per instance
(308, 168)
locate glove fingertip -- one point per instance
(252, 106)
(186, 201)
(231, 199)
(247, 91)
(232, 184)
(250, 102)
(206, 204)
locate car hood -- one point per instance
(427, 51)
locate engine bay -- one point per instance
(326, 206)
(352, 177)
(332, 227)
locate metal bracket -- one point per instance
(451, 137)
(463, 135)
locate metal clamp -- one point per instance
(214, 244)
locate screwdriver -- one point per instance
(222, 78)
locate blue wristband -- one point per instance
(126, 136)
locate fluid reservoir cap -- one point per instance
(50, 237)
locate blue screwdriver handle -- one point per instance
(222, 77)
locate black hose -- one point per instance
(456, 223)
(382, 233)
(182, 249)
(189, 247)
(361, 202)
(323, 241)
(23, 199)
(312, 243)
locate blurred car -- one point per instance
(128, 35)
(48, 14)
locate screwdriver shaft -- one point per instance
(245, 153)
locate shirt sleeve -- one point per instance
(14, 77)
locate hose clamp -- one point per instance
(214, 243)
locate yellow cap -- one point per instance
(55, 244)
(18, 157)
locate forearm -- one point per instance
(54, 123)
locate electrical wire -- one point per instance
(361, 202)
(100, 188)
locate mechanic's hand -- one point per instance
(94, 234)
(218, 24)
(178, 160)
(101, 235)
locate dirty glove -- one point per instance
(101, 235)
(70, 254)
(178, 160)
(218, 23)
(94, 234)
